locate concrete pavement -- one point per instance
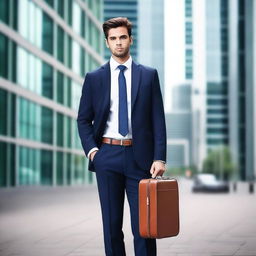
(66, 221)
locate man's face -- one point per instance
(119, 42)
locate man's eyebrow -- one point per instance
(119, 36)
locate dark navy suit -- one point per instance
(120, 168)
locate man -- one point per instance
(121, 124)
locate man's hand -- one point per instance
(93, 154)
(157, 169)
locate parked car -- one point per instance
(208, 183)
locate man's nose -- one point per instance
(118, 41)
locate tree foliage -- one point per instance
(220, 163)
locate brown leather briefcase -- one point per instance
(158, 207)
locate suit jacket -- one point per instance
(147, 113)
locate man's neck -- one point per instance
(121, 60)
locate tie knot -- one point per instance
(122, 67)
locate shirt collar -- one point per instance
(114, 64)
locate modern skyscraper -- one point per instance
(46, 47)
(185, 82)
(151, 36)
(242, 86)
(124, 8)
(218, 59)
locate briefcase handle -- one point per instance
(163, 178)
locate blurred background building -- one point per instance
(151, 36)
(210, 48)
(204, 51)
(46, 47)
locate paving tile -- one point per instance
(67, 222)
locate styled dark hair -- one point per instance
(117, 22)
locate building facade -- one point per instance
(185, 82)
(242, 86)
(151, 39)
(46, 48)
(213, 52)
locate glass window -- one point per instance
(12, 164)
(50, 2)
(47, 35)
(60, 168)
(23, 16)
(79, 163)
(69, 92)
(217, 141)
(60, 87)
(189, 34)
(60, 128)
(224, 65)
(90, 31)
(82, 24)
(76, 94)
(47, 81)
(69, 53)
(217, 101)
(217, 120)
(13, 62)
(189, 64)
(76, 61)
(69, 168)
(188, 8)
(22, 67)
(77, 141)
(32, 121)
(217, 130)
(70, 11)
(218, 111)
(60, 44)
(3, 112)
(23, 156)
(76, 18)
(47, 125)
(12, 115)
(23, 118)
(4, 11)
(82, 62)
(217, 88)
(68, 133)
(242, 109)
(61, 7)
(3, 165)
(29, 172)
(46, 167)
(4, 56)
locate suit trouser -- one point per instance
(117, 173)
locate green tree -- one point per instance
(220, 163)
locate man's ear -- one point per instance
(131, 40)
(106, 41)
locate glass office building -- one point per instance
(46, 48)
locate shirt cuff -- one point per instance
(160, 161)
(92, 150)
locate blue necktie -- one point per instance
(123, 109)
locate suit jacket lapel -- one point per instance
(135, 82)
(106, 80)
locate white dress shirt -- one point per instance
(111, 130)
